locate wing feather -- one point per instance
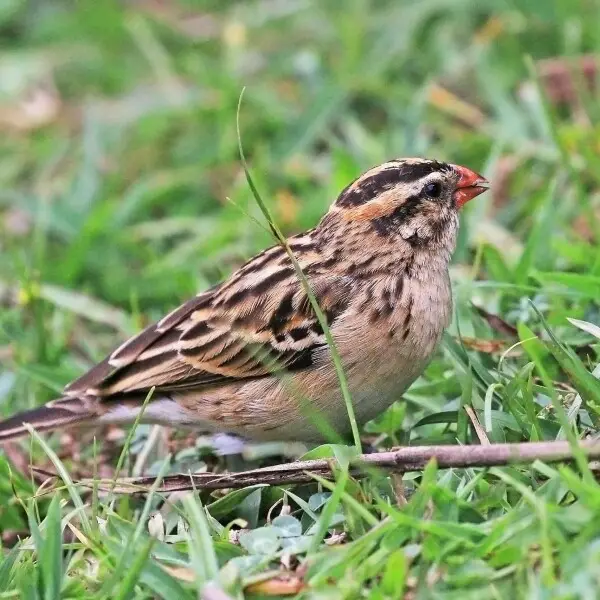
(258, 322)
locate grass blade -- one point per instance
(280, 238)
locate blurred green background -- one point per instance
(122, 194)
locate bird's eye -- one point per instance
(433, 190)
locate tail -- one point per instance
(63, 412)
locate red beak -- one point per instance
(470, 184)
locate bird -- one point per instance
(249, 357)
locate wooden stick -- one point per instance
(401, 460)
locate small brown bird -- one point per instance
(249, 357)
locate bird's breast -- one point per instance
(384, 355)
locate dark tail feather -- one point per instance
(54, 415)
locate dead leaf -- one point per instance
(485, 346)
(336, 538)
(491, 30)
(456, 107)
(287, 207)
(181, 573)
(398, 487)
(479, 430)
(286, 584)
(561, 78)
(497, 323)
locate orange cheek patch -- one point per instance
(383, 206)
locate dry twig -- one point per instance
(401, 460)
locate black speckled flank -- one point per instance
(358, 193)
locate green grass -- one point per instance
(115, 207)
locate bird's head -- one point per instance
(413, 199)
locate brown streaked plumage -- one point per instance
(249, 357)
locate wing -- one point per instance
(258, 321)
